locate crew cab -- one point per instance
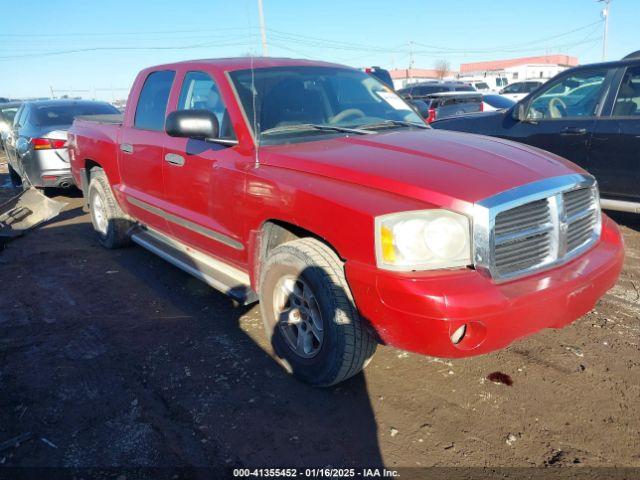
(318, 191)
(588, 114)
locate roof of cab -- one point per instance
(245, 63)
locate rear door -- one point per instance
(141, 150)
(614, 158)
(561, 117)
(204, 180)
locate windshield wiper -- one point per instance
(392, 123)
(314, 126)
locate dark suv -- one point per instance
(590, 115)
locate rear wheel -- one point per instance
(309, 314)
(16, 181)
(109, 221)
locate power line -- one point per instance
(315, 42)
(110, 34)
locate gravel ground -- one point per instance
(118, 359)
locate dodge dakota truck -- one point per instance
(319, 192)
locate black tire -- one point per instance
(116, 234)
(347, 342)
(16, 181)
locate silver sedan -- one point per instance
(37, 142)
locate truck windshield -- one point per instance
(336, 101)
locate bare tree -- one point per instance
(442, 68)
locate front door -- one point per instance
(204, 180)
(561, 117)
(615, 152)
(142, 150)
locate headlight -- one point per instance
(422, 240)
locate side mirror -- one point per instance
(192, 124)
(420, 106)
(519, 112)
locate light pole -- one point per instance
(605, 15)
(263, 30)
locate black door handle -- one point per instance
(573, 131)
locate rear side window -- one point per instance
(152, 103)
(49, 115)
(8, 114)
(18, 119)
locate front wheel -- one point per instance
(309, 314)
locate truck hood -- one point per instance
(448, 169)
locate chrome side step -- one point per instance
(620, 205)
(213, 272)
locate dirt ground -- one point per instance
(118, 359)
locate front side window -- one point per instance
(513, 88)
(628, 99)
(152, 103)
(200, 92)
(573, 96)
(294, 103)
(531, 86)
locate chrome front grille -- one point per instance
(536, 226)
(582, 218)
(522, 237)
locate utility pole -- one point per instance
(605, 16)
(263, 30)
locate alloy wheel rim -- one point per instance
(100, 214)
(298, 316)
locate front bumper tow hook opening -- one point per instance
(458, 335)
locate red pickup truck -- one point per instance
(318, 191)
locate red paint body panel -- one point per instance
(335, 188)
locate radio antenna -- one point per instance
(256, 133)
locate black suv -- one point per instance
(588, 114)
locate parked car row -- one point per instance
(319, 191)
(35, 141)
(589, 115)
(447, 99)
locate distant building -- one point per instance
(515, 69)
(403, 77)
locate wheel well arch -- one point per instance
(274, 232)
(90, 164)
